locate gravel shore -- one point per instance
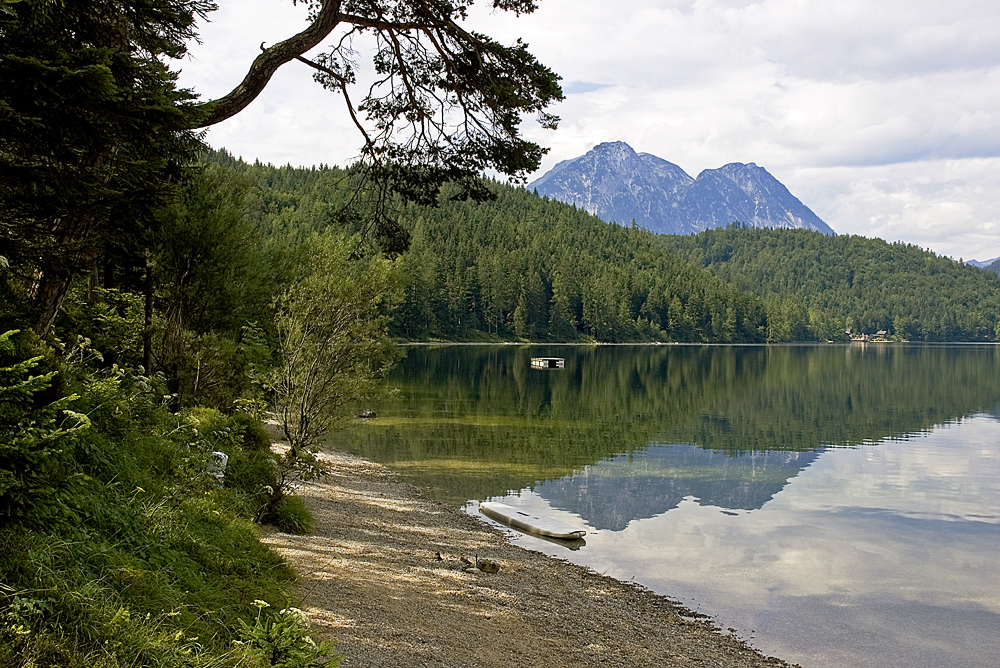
(384, 577)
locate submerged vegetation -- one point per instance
(255, 291)
(473, 422)
(152, 308)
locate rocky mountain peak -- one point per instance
(617, 184)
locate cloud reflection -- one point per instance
(879, 555)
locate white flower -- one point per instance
(300, 617)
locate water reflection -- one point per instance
(880, 555)
(477, 421)
(616, 491)
(839, 506)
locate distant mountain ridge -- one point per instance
(985, 264)
(617, 184)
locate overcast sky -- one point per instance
(882, 116)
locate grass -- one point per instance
(292, 516)
(129, 553)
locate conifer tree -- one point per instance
(561, 326)
(93, 134)
(93, 131)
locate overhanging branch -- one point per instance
(268, 62)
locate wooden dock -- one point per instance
(548, 363)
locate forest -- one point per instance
(161, 303)
(163, 319)
(523, 267)
(157, 358)
(849, 281)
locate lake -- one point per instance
(835, 505)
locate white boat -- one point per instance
(518, 519)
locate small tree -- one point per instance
(332, 338)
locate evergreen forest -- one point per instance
(168, 312)
(848, 281)
(523, 267)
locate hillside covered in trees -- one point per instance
(851, 281)
(526, 267)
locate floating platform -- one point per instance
(548, 363)
(540, 526)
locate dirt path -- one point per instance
(383, 577)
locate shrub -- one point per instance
(151, 563)
(255, 475)
(282, 640)
(37, 438)
(332, 331)
(255, 436)
(292, 516)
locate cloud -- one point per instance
(854, 89)
(580, 87)
(950, 206)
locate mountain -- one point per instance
(985, 264)
(994, 266)
(851, 281)
(534, 268)
(617, 184)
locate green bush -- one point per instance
(150, 561)
(254, 474)
(38, 434)
(111, 327)
(292, 516)
(255, 436)
(252, 470)
(282, 640)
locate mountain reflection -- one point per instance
(471, 422)
(613, 492)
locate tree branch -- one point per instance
(268, 62)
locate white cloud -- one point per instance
(836, 99)
(950, 206)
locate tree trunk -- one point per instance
(55, 274)
(50, 291)
(93, 284)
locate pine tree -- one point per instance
(93, 133)
(561, 325)
(522, 327)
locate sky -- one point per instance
(882, 116)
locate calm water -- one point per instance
(837, 506)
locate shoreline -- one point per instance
(383, 576)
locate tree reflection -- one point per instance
(477, 421)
